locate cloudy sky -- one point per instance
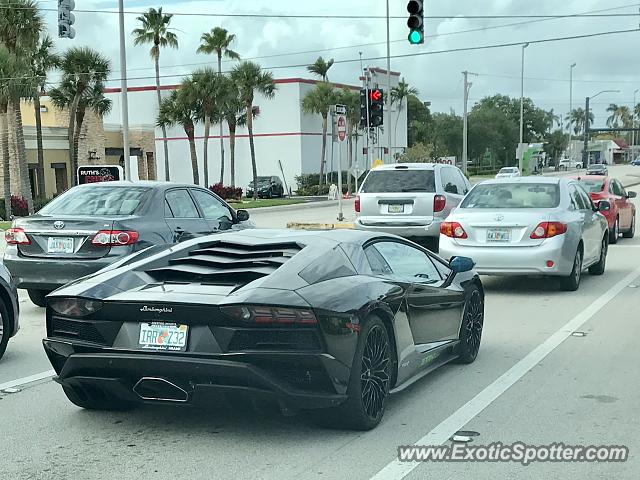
(606, 62)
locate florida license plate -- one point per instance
(60, 245)
(163, 336)
(396, 208)
(498, 235)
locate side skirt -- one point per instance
(433, 360)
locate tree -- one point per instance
(419, 121)
(399, 95)
(179, 109)
(318, 102)
(43, 60)
(20, 27)
(321, 68)
(217, 41)
(83, 71)
(351, 100)
(418, 153)
(155, 30)
(556, 143)
(576, 120)
(250, 79)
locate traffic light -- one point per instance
(66, 19)
(364, 107)
(416, 21)
(376, 107)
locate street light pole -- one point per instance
(633, 120)
(465, 120)
(520, 159)
(388, 85)
(573, 65)
(585, 152)
(125, 105)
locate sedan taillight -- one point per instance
(452, 230)
(114, 238)
(439, 202)
(262, 315)
(548, 230)
(16, 236)
(357, 204)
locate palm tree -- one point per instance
(179, 109)
(552, 119)
(351, 100)
(217, 41)
(318, 102)
(43, 60)
(83, 70)
(612, 121)
(321, 68)
(232, 110)
(155, 30)
(576, 119)
(20, 27)
(250, 79)
(399, 94)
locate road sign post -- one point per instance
(341, 122)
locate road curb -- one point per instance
(320, 226)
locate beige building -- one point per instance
(99, 144)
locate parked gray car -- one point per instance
(410, 199)
(90, 226)
(9, 308)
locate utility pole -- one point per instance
(585, 148)
(388, 85)
(573, 65)
(520, 159)
(633, 121)
(125, 104)
(365, 82)
(467, 87)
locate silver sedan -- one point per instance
(529, 226)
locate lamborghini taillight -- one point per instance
(266, 315)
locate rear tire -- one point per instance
(632, 231)
(369, 382)
(598, 268)
(37, 297)
(614, 234)
(5, 328)
(572, 282)
(105, 403)
(471, 328)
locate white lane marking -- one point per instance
(24, 380)
(397, 470)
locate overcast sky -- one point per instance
(608, 62)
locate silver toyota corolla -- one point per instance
(529, 226)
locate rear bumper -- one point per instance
(49, 274)
(399, 228)
(90, 369)
(501, 260)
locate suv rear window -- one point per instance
(513, 195)
(592, 186)
(393, 181)
(97, 200)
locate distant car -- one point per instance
(567, 163)
(622, 215)
(90, 226)
(597, 169)
(508, 172)
(268, 187)
(529, 226)
(636, 162)
(410, 199)
(9, 308)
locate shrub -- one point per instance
(226, 193)
(19, 206)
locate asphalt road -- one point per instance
(577, 390)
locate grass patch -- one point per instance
(265, 202)
(4, 225)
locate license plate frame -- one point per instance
(164, 336)
(60, 245)
(395, 208)
(498, 235)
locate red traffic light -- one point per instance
(375, 95)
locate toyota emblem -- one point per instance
(59, 225)
(499, 218)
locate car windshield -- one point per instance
(262, 180)
(592, 186)
(390, 181)
(507, 170)
(97, 200)
(513, 195)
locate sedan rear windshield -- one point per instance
(393, 181)
(508, 170)
(513, 195)
(592, 186)
(97, 200)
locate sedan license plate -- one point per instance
(163, 336)
(498, 235)
(396, 208)
(60, 245)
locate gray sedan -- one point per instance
(529, 226)
(90, 226)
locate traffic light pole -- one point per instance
(585, 151)
(464, 123)
(388, 85)
(125, 104)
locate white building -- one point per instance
(282, 133)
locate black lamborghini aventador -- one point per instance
(326, 321)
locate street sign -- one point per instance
(341, 109)
(342, 128)
(99, 173)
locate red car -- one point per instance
(622, 216)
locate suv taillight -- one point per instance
(439, 202)
(452, 230)
(357, 204)
(263, 315)
(114, 238)
(16, 236)
(548, 230)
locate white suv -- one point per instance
(409, 199)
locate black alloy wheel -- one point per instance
(375, 375)
(471, 329)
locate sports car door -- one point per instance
(434, 312)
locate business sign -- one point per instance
(99, 173)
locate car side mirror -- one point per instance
(461, 264)
(632, 194)
(242, 215)
(604, 206)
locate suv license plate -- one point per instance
(396, 208)
(163, 336)
(498, 235)
(60, 245)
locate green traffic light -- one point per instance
(415, 37)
